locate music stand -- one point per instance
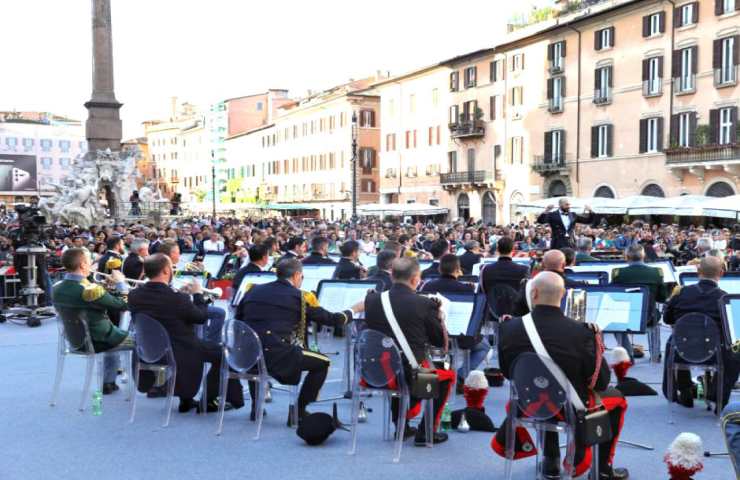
(629, 304)
(591, 278)
(313, 274)
(731, 318)
(666, 266)
(730, 282)
(256, 278)
(214, 263)
(185, 258)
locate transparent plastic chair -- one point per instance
(535, 400)
(378, 363)
(696, 342)
(154, 353)
(75, 340)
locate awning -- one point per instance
(289, 206)
(400, 209)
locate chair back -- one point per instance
(152, 340)
(73, 329)
(242, 346)
(501, 299)
(538, 394)
(696, 338)
(378, 360)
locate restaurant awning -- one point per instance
(400, 209)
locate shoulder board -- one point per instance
(92, 293)
(660, 272)
(615, 272)
(248, 287)
(310, 299)
(113, 263)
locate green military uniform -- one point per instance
(639, 273)
(585, 257)
(77, 292)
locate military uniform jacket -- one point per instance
(703, 297)
(383, 277)
(110, 261)
(318, 259)
(447, 284)
(274, 311)
(347, 270)
(76, 292)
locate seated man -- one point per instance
(258, 259)
(584, 245)
(438, 249)
(572, 346)
(319, 253)
(74, 291)
(383, 269)
(702, 297)
(178, 314)
(133, 266)
(552, 261)
(296, 249)
(471, 256)
(349, 266)
(420, 321)
(280, 312)
(637, 273)
(501, 280)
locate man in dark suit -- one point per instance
(572, 346)
(296, 249)
(471, 256)
(637, 273)
(584, 245)
(552, 261)
(349, 267)
(419, 319)
(449, 269)
(178, 314)
(279, 313)
(383, 269)
(437, 249)
(258, 258)
(702, 297)
(319, 253)
(501, 280)
(133, 266)
(562, 223)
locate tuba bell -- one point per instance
(575, 304)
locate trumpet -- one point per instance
(107, 277)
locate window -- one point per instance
(454, 114)
(555, 147)
(724, 6)
(430, 136)
(64, 162)
(683, 129)
(556, 56)
(497, 71)
(652, 76)
(723, 121)
(368, 186)
(452, 161)
(454, 81)
(469, 110)
(725, 60)
(367, 160)
(517, 94)
(684, 69)
(555, 93)
(603, 85)
(28, 143)
(438, 134)
(46, 163)
(414, 138)
(435, 97)
(686, 14)
(651, 135)
(496, 107)
(601, 141)
(517, 62)
(653, 25)
(517, 150)
(367, 118)
(408, 139)
(470, 76)
(259, 106)
(604, 38)
(45, 144)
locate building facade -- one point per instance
(303, 160)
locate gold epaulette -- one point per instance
(92, 292)
(676, 291)
(113, 263)
(410, 253)
(310, 299)
(615, 272)
(248, 287)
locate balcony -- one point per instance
(725, 77)
(468, 129)
(602, 96)
(718, 154)
(551, 166)
(556, 66)
(476, 177)
(652, 88)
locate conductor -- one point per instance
(562, 223)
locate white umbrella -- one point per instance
(598, 205)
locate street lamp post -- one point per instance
(213, 183)
(354, 168)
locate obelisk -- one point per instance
(103, 128)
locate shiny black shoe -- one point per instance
(551, 468)
(614, 474)
(187, 404)
(109, 388)
(421, 439)
(685, 398)
(212, 406)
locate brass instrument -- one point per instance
(575, 304)
(210, 292)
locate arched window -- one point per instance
(720, 189)
(604, 192)
(488, 209)
(653, 190)
(463, 206)
(557, 189)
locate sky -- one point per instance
(208, 50)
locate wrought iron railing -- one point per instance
(707, 153)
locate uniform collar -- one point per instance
(74, 277)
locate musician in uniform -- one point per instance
(179, 314)
(296, 249)
(420, 321)
(133, 266)
(258, 258)
(383, 267)
(449, 270)
(575, 348)
(438, 249)
(637, 273)
(552, 261)
(76, 292)
(279, 312)
(349, 266)
(319, 253)
(702, 297)
(112, 259)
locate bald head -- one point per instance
(710, 268)
(553, 261)
(547, 289)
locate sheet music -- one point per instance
(336, 297)
(457, 316)
(733, 316)
(730, 285)
(312, 275)
(614, 311)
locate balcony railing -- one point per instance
(724, 77)
(556, 66)
(683, 85)
(652, 88)
(602, 96)
(545, 166)
(707, 153)
(467, 129)
(472, 177)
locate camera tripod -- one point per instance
(31, 314)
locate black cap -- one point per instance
(315, 428)
(477, 419)
(631, 387)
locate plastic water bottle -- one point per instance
(314, 347)
(446, 420)
(97, 403)
(700, 390)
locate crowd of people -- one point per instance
(280, 311)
